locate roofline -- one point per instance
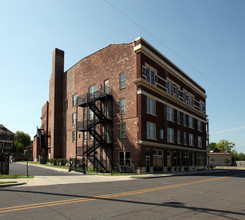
(141, 38)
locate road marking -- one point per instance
(69, 201)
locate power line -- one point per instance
(181, 57)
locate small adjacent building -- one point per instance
(220, 159)
(6, 148)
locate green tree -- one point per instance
(235, 155)
(212, 147)
(21, 140)
(241, 156)
(225, 146)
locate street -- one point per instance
(204, 196)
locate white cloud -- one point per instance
(228, 130)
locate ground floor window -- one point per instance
(200, 159)
(124, 158)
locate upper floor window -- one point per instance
(74, 100)
(201, 105)
(151, 130)
(123, 130)
(184, 96)
(190, 100)
(93, 91)
(178, 137)
(150, 106)
(199, 141)
(161, 133)
(170, 114)
(150, 76)
(170, 135)
(170, 88)
(106, 86)
(74, 118)
(191, 139)
(178, 117)
(122, 81)
(184, 119)
(190, 122)
(199, 125)
(122, 106)
(177, 92)
(185, 138)
(74, 136)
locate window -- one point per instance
(122, 106)
(191, 139)
(91, 114)
(124, 158)
(184, 96)
(74, 118)
(151, 130)
(201, 106)
(161, 133)
(170, 88)
(157, 152)
(184, 119)
(85, 135)
(170, 114)
(199, 125)
(123, 129)
(199, 141)
(176, 92)
(150, 76)
(178, 117)
(93, 91)
(74, 100)
(122, 81)
(106, 86)
(150, 106)
(74, 136)
(190, 100)
(178, 137)
(190, 122)
(170, 135)
(185, 138)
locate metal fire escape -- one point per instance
(96, 128)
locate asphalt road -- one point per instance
(213, 196)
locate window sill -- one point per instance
(151, 114)
(154, 139)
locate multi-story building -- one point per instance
(127, 107)
(6, 148)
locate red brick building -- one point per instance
(126, 107)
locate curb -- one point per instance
(11, 184)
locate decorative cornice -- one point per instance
(146, 84)
(141, 48)
(174, 147)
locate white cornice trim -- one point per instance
(174, 147)
(146, 51)
(159, 91)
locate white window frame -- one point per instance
(191, 100)
(199, 141)
(190, 122)
(170, 114)
(178, 137)
(124, 158)
(161, 134)
(74, 99)
(152, 77)
(123, 129)
(150, 107)
(191, 139)
(199, 125)
(74, 134)
(122, 107)
(170, 135)
(122, 81)
(74, 118)
(150, 132)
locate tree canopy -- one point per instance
(21, 140)
(223, 146)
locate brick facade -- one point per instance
(134, 60)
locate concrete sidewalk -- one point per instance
(88, 178)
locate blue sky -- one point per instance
(204, 38)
